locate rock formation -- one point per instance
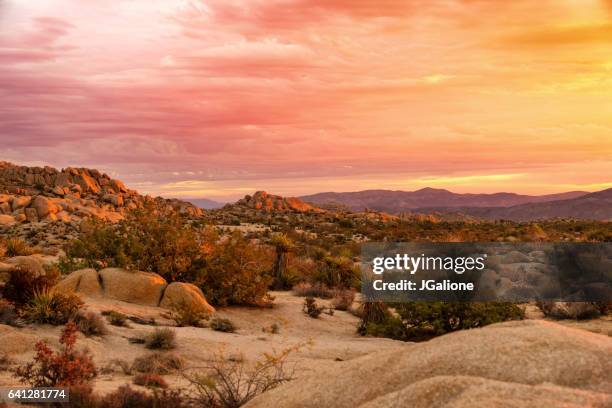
(271, 203)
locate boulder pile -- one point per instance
(274, 203)
(35, 194)
(143, 288)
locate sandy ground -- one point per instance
(324, 341)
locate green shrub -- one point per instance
(52, 307)
(222, 325)
(161, 339)
(418, 321)
(338, 272)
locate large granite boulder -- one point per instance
(138, 287)
(179, 293)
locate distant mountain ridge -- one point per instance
(205, 203)
(593, 206)
(393, 201)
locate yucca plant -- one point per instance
(48, 306)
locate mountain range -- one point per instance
(573, 204)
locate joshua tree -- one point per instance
(283, 245)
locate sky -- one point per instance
(220, 98)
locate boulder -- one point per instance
(138, 287)
(20, 202)
(87, 183)
(5, 198)
(185, 293)
(569, 310)
(44, 206)
(83, 281)
(5, 208)
(7, 219)
(114, 199)
(31, 214)
(520, 357)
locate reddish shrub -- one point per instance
(150, 380)
(67, 367)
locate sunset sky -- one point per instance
(219, 98)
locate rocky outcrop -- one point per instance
(273, 203)
(34, 194)
(34, 200)
(185, 294)
(527, 363)
(143, 288)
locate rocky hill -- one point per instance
(274, 203)
(43, 195)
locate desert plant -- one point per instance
(90, 324)
(127, 397)
(52, 307)
(161, 339)
(227, 383)
(116, 318)
(319, 290)
(418, 321)
(17, 247)
(25, 280)
(66, 367)
(222, 325)
(158, 363)
(311, 308)
(186, 314)
(343, 299)
(8, 314)
(236, 271)
(150, 380)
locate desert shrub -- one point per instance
(161, 339)
(127, 397)
(226, 383)
(24, 281)
(150, 380)
(16, 247)
(313, 290)
(90, 324)
(229, 271)
(52, 307)
(66, 367)
(116, 318)
(343, 299)
(158, 363)
(236, 271)
(146, 240)
(185, 314)
(222, 325)
(8, 314)
(424, 320)
(274, 328)
(311, 308)
(374, 312)
(337, 272)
